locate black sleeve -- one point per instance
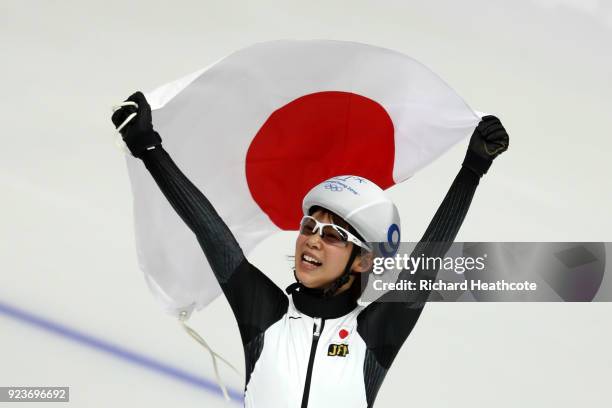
(255, 300)
(384, 324)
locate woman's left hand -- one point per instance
(138, 134)
(488, 141)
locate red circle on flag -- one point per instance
(343, 333)
(311, 139)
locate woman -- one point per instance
(316, 347)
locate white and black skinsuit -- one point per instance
(302, 350)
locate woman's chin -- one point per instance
(305, 277)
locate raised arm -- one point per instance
(255, 300)
(488, 141)
(386, 323)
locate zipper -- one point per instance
(316, 333)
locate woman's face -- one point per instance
(332, 259)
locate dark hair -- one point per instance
(356, 288)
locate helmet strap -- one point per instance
(333, 287)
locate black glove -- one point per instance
(138, 134)
(488, 141)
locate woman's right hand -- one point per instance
(138, 134)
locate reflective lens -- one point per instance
(308, 225)
(330, 234)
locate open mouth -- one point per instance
(310, 260)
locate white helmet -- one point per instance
(361, 203)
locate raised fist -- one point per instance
(488, 141)
(138, 133)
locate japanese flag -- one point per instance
(256, 130)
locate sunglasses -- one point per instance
(331, 234)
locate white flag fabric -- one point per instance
(257, 129)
